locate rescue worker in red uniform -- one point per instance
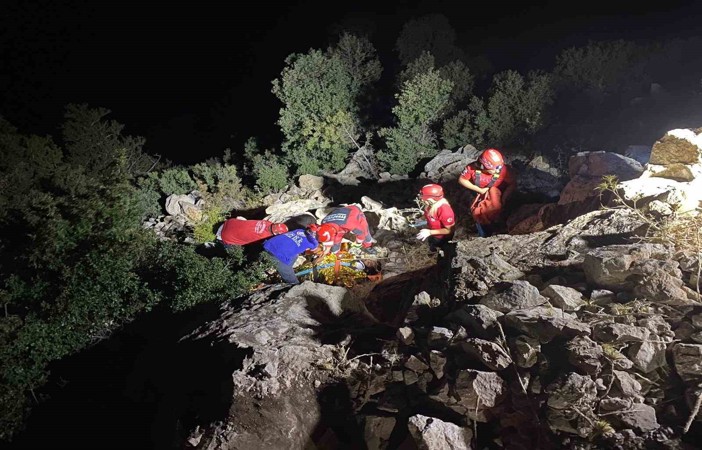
(439, 216)
(342, 220)
(240, 231)
(493, 182)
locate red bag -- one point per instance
(487, 208)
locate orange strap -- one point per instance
(337, 268)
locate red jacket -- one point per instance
(349, 219)
(242, 232)
(443, 217)
(503, 180)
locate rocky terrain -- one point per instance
(579, 326)
(577, 330)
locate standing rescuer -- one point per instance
(493, 182)
(439, 216)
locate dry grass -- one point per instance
(683, 231)
(417, 257)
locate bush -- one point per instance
(175, 180)
(319, 114)
(468, 126)
(421, 103)
(602, 67)
(517, 106)
(188, 279)
(270, 174)
(204, 230)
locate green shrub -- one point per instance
(204, 230)
(431, 33)
(188, 279)
(319, 114)
(93, 142)
(421, 103)
(468, 126)
(269, 172)
(175, 181)
(602, 67)
(517, 106)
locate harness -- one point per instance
(493, 180)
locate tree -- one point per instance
(455, 71)
(92, 141)
(517, 106)
(602, 67)
(468, 126)
(319, 116)
(421, 103)
(431, 33)
(79, 264)
(360, 59)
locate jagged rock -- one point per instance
(544, 323)
(626, 385)
(280, 212)
(275, 327)
(571, 392)
(684, 331)
(566, 298)
(610, 267)
(424, 380)
(539, 175)
(672, 174)
(410, 377)
(474, 393)
(177, 205)
(657, 284)
(585, 354)
(405, 335)
(437, 362)
(526, 351)
(602, 297)
(489, 353)
(601, 163)
(377, 431)
(619, 333)
(479, 320)
(363, 164)
(447, 165)
(416, 365)
(310, 182)
(438, 337)
(477, 275)
(687, 359)
(678, 146)
(647, 356)
(430, 433)
(507, 297)
(586, 170)
(623, 414)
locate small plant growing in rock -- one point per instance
(602, 428)
(611, 352)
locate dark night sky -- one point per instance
(195, 77)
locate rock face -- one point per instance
(483, 354)
(275, 400)
(576, 336)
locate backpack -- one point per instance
(487, 208)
